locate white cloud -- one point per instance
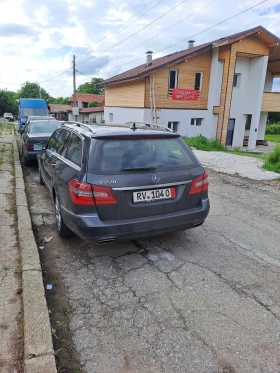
(39, 40)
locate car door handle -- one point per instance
(54, 163)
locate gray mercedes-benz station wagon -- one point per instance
(111, 182)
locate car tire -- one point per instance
(62, 229)
(41, 181)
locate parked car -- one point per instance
(112, 183)
(33, 118)
(9, 117)
(36, 135)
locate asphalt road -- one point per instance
(205, 300)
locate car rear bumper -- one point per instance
(32, 154)
(92, 229)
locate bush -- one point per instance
(273, 129)
(202, 143)
(272, 162)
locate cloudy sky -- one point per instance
(38, 38)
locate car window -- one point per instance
(74, 151)
(53, 143)
(63, 139)
(116, 155)
(43, 126)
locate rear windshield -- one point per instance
(121, 156)
(43, 127)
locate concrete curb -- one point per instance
(38, 347)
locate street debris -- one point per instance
(41, 247)
(49, 287)
(47, 239)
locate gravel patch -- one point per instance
(235, 164)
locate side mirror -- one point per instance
(43, 148)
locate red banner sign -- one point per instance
(184, 94)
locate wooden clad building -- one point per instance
(221, 89)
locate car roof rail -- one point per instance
(79, 124)
(147, 124)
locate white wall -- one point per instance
(98, 116)
(123, 115)
(247, 98)
(268, 82)
(262, 125)
(184, 117)
(258, 69)
(216, 77)
(239, 101)
(72, 117)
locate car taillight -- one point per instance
(87, 194)
(30, 147)
(200, 184)
(104, 195)
(81, 193)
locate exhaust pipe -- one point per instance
(105, 241)
(198, 223)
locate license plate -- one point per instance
(38, 146)
(154, 195)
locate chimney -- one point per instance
(191, 44)
(149, 58)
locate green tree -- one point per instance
(32, 90)
(273, 118)
(91, 87)
(8, 102)
(94, 104)
(59, 100)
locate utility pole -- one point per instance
(74, 83)
(40, 95)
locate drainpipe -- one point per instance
(151, 100)
(154, 102)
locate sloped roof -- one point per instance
(97, 109)
(58, 108)
(86, 97)
(143, 70)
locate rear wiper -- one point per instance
(139, 169)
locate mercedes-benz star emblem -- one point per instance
(155, 178)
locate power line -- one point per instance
(164, 14)
(192, 36)
(113, 33)
(55, 76)
(175, 24)
(84, 74)
(10, 83)
(209, 28)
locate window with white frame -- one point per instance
(196, 121)
(174, 126)
(110, 117)
(173, 79)
(198, 81)
(236, 80)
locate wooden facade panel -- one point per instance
(186, 75)
(224, 55)
(127, 94)
(271, 102)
